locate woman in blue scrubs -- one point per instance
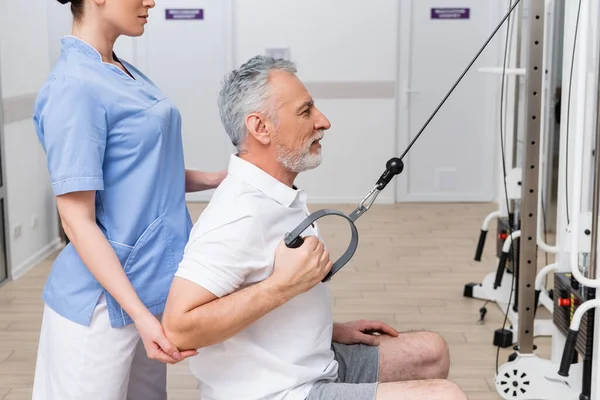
(115, 159)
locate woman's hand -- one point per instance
(218, 177)
(157, 346)
(197, 181)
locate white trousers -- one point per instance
(95, 362)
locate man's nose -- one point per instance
(322, 122)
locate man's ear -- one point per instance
(255, 123)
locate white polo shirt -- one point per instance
(232, 245)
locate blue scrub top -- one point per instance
(104, 131)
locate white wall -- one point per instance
(60, 22)
(333, 44)
(28, 188)
(356, 42)
(23, 29)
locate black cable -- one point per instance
(569, 114)
(514, 260)
(489, 39)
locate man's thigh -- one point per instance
(357, 375)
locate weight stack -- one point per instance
(567, 297)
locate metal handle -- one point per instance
(484, 230)
(506, 247)
(293, 239)
(393, 167)
(569, 348)
(568, 353)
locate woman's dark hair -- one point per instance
(76, 7)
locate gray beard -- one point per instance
(300, 160)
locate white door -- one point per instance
(186, 51)
(453, 160)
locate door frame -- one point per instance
(403, 99)
(3, 192)
(404, 45)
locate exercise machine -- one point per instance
(501, 286)
(572, 372)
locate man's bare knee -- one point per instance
(413, 356)
(438, 360)
(435, 389)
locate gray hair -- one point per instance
(246, 90)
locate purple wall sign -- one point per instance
(184, 13)
(450, 13)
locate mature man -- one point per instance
(257, 311)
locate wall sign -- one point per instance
(184, 13)
(450, 13)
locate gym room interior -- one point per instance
(463, 134)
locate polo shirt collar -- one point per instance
(264, 182)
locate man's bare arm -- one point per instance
(195, 317)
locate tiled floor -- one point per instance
(410, 269)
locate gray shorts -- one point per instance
(357, 374)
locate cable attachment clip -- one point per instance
(362, 208)
(392, 168)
